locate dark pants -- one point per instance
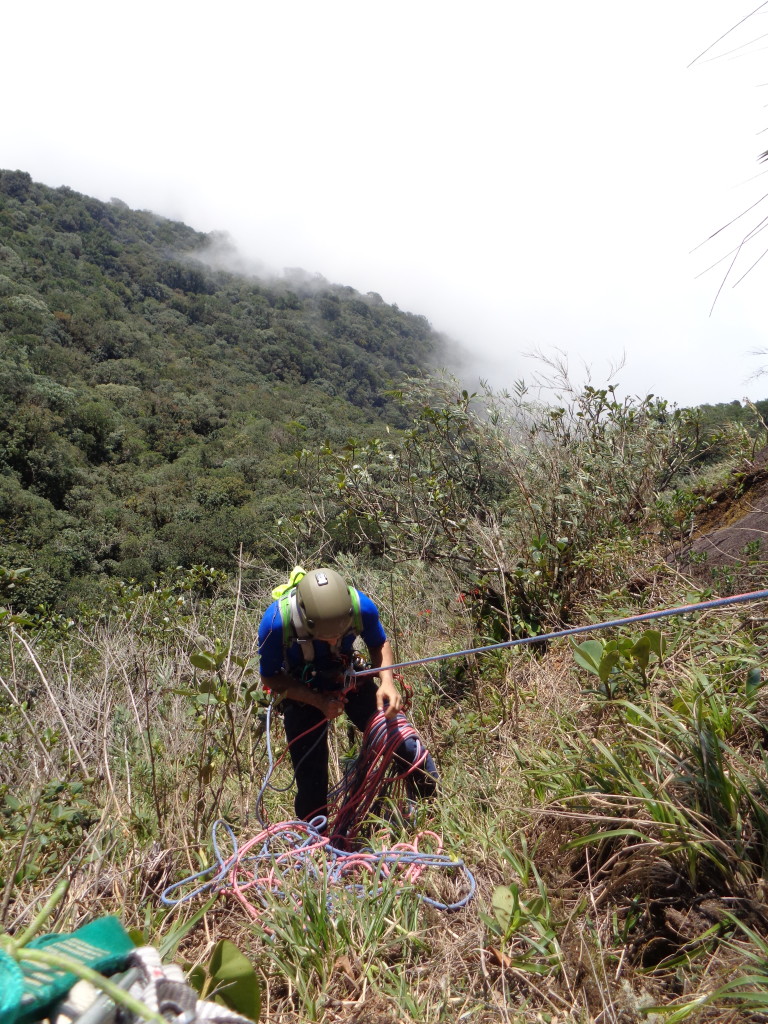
(310, 753)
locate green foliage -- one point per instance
(43, 829)
(613, 661)
(730, 429)
(11, 578)
(313, 927)
(673, 777)
(678, 773)
(523, 921)
(150, 404)
(230, 980)
(517, 496)
(151, 411)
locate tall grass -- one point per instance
(619, 845)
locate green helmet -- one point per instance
(326, 607)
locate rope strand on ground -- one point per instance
(322, 845)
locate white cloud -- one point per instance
(523, 174)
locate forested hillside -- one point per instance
(150, 405)
(607, 789)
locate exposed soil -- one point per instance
(729, 540)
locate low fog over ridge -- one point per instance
(221, 253)
(669, 343)
(471, 362)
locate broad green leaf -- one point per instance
(60, 813)
(608, 663)
(199, 979)
(641, 652)
(657, 643)
(506, 906)
(235, 978)
(203, 700)
(589, 655)
(201, 659)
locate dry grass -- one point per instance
(110, 710)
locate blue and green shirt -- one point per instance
(274, 657)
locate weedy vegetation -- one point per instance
(609, 792)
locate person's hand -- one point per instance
(333, 705)
(388, 699)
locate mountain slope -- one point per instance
(150, 404)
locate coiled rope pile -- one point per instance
(291, 848)
(323, 848)
(373, 772)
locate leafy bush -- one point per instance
(515, 494)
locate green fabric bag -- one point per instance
(11, 987)
(103, 945)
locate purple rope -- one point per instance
(719, 602)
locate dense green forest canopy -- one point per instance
(150, 404)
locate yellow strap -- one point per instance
(297, 574)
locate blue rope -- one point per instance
(336, 860)
(213, 884)
(271, 765)
(312, 832)
(270, 768)
(719, 602)
(217, 873)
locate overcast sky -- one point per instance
(527, 175)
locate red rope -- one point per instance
(373, 770)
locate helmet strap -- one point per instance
(300, 629)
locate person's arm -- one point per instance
(388, 698)
(284, 685)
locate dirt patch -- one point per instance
(729, 540)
